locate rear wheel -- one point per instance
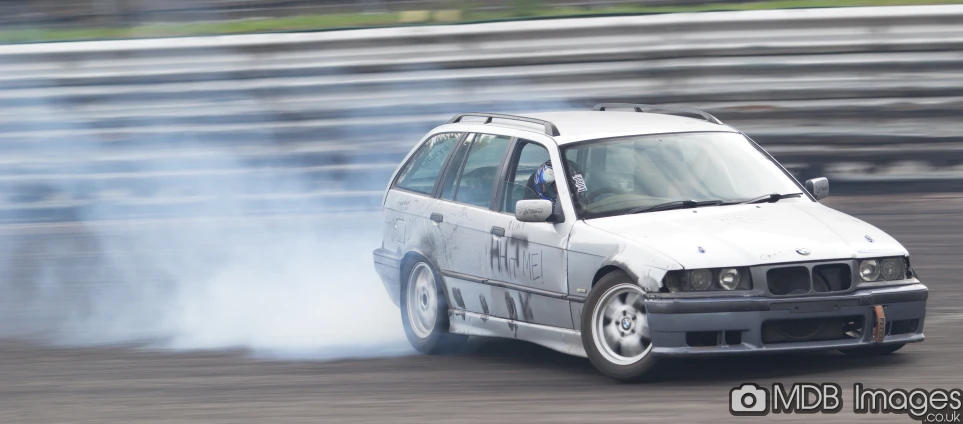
(870, 351)
(615, 329)
(424, 311)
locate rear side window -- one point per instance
(481, 168)
(420, 173)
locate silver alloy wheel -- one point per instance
(620, 327)
(422, 302)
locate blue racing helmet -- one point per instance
(544, 182)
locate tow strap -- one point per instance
(879, 331)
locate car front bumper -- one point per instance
(685, 326)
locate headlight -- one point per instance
(729, 278)
(880, 269)
(869, 270)
(700, 279)
(892, 269)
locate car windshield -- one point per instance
(644, 173)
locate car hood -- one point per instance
(746, 235)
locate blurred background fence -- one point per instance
(84, 13)
(310, 122)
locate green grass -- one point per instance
(524, 9)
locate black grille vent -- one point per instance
(832, 278)
(788, 281)
(802, 280)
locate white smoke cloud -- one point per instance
(182, 239)
(313, 297)
(304, 289)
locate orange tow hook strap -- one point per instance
(880, 330)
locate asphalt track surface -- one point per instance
(493, 381)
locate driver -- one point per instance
(541, 183)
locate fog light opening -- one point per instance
(733, 338)
(853, 329)
(904, 326)
(702, 338)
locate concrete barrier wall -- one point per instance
(868, 96)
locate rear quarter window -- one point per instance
(421, 171)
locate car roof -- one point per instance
(574, 126)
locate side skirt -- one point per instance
(473, 324)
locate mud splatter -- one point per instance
(512, 314)
(484, 306)
(456, 293)
(493, 254)
(525, 300)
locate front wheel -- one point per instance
(615, 329)
(424, 311)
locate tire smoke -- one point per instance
(132, 228)
(195, 213)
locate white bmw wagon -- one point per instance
(631, 233)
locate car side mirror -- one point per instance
(818, 187)
(534, 210)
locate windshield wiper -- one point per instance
(677, 204)
(769, 198)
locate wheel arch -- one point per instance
(408, 259)
(606, 270)
(414, 256)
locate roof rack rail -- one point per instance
(550, 128)
(656, 108)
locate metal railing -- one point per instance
(317, 121)
(124, 13)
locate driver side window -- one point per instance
(530, 157)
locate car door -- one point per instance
(408, 203)
(460, 216)
(529, 258)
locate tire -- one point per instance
(424, 311)
(619, 348)
(870, 351)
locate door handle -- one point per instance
(437, 217)
(498, 231)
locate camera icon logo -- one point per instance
(749, 400)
